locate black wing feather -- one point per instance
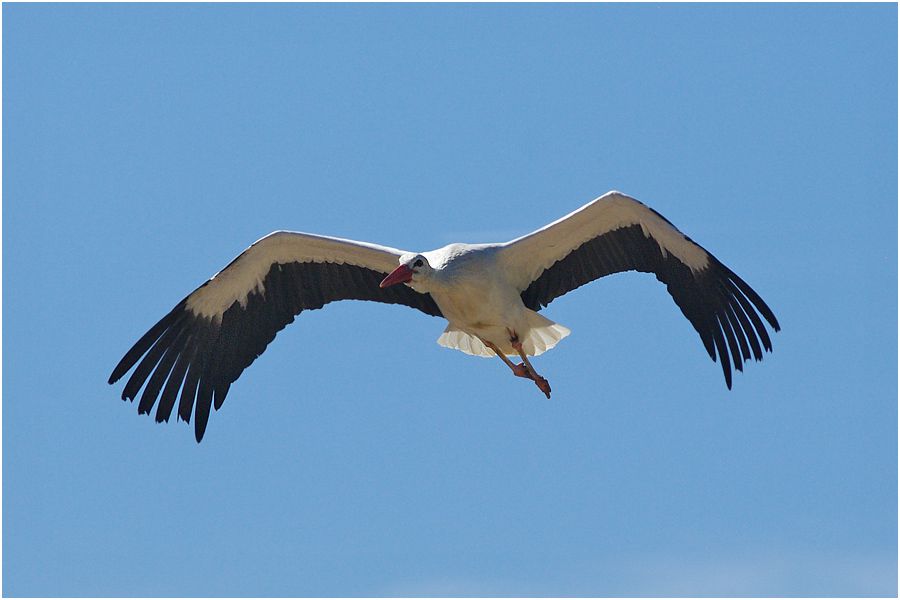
(723, 309)
(173, 384)
(201, 356)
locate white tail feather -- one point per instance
(460, 340)
(542, 335)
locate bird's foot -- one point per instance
(522, 370)
(543, 385)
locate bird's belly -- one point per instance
(486, 314)
(472, 319)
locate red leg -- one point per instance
(539, 381)
(518, 370)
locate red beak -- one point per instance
(401, 274)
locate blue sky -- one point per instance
(144, 146)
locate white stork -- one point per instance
(490, 295)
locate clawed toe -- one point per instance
(524, 369)
(543, 385)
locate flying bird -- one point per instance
(490, 295)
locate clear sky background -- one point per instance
(144, 146)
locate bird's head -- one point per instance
(414, 269)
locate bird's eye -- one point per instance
(418, 263)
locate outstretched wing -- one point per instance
(210, 337)
(616, 233)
